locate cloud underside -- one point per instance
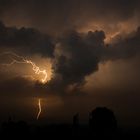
(74, 56)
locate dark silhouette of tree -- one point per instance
(102, 122)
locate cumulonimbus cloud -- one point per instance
(75, 55)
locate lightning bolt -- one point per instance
(39, 109)
(35, 68)
(23, 60)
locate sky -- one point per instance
(88, 49)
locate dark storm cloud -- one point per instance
(124, 47)
(55, 16)
(27, 40)
(78, 55)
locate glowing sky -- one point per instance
(90, 50)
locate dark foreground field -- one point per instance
(102, 125)
(21, 130)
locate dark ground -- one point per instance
(102, 125)
(22, 130)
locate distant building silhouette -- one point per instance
(75, 130)
(76, 120)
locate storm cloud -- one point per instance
(74, 55)
(25, 40)
(55, 16)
